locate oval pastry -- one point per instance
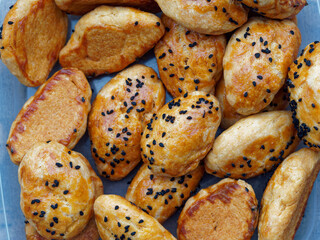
(119, 113)
(256, 62)
(118, 218)
(252, 146)
(161, 196)
(181, 134)
(188, 61)
(223, 211)
(58, 111)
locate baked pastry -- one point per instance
(285, 198)
(161, 196)
(226, 210)
(80, 7)
(118, 218)
(188, 61)
(207, 17)
(34, 32)
(108, 39)
(58, 189)
(304, 89)
(58, 111)
(119, 114)
(181, 134)
(253, 145)
(256, 62)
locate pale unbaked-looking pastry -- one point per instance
(34, 32)
(226, 210)
(108, 39)
(58, 111)
(285, 198)
(256, 62)
(118, 218)
(188, 61)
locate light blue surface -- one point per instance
(13, 95)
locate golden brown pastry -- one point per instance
(118, 218)
(253, 145)
(304, 92)
(256, 62)
(207, 17)
(58, 111)
(181, 134)
(58, 189)
(119, 113)
(285, 198)
(188, 61)
(34, 32)
(108, 39)
(161, 196)
(226, 210)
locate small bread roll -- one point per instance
(256, 62)
(108, 39)
(58, 189)
(285, 198)
(304, 89)
(118, 218)
(58, 111)
(161, 196)
(34, 32)
(226, 210)
(207, 17)
(252, 146)
(119, 114)
(181, 134)
(188, 61)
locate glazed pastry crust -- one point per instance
(285, 198)
(229, 206)
(119, 114)
(116, 216)
(164, 194)
(58, 111)
(188, 61)
(252, 146)
(181, 134)
(254, 74)
(108, 39)
(206, 17)
(34, 32)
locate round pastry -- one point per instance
(207, 17)
(285, 198)
(119, 114)
(188, 61)
(226, 210)
(256, 62)
(58, 189)
(181, 134)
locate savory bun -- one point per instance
(226, 210)
(117, 217)
(304, 89)
(119, 114)
(256, 62)
(181, 134)
(58, 189)
(188, 61)
(161, 196)
(207, 17)
(34, 32)
(108, 39)
(58, 111)
(285, 198)
(252, 146)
